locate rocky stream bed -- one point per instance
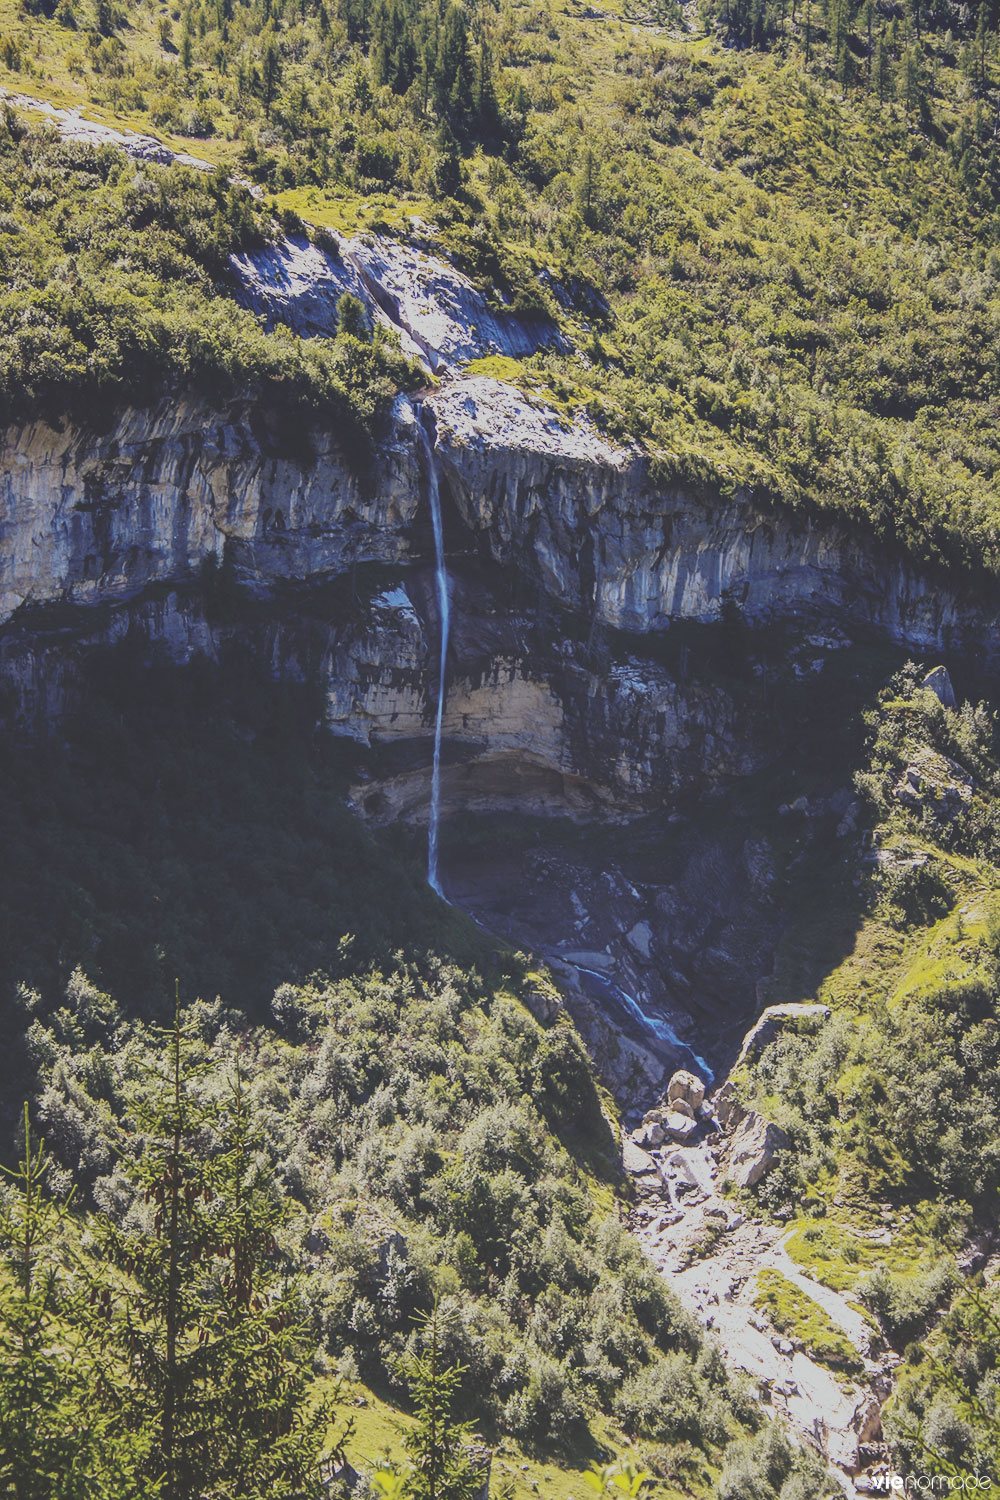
(712, 1254)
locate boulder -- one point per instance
(681, 1107)
(728, 1109)
(636, 1161)
(755, 1146)
(679, 1127)
(639, 939)
(590, 958)
(649, 1136)
(544, 1005)
(933, 783)
(849, 822)
(938, 682)
(686, 1086)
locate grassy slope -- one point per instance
(884, 1101)
(379, 1430)
(803, 294)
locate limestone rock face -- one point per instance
(91, 518)
(128, 517)
(587, 519)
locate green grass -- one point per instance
(795, 1314)
(380, 1429)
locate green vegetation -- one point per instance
(891, 1104)
(945, 1410)
(438, 1448)
(112, 276)
(186, 1373)
(778, 263)
(795, 1313)
(900, 1097)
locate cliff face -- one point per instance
(91, 517)
(96, 517)
(552, 534)
(587, 518)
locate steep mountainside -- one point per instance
(567, 436)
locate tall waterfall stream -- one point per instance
(444, 617)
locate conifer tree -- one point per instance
(270, 70)
(584, 187)
(440, 1466)
(54, 1437)
(210, 1350)
(882, 69)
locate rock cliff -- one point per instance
(572, 568)
(95, 516)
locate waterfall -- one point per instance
(444, 616)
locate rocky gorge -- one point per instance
(637, 690)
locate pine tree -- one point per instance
(440, 1467)
(448, 167)
(54, 1438)
(487, 113)
(882, 71)
(270, 70)
(453, 71)
(808, 30)
(584, 188)
(36, 1406)
(258, 1439)
(911, 79)
(206, 1351)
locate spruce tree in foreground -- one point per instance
(440, 1466)
(55, 1442)
(209, 1348)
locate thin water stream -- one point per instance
(656, 1025)
(444, 618)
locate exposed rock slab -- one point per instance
(441, 317)
(835, 1415)
(74, 125)
(773, 1020)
